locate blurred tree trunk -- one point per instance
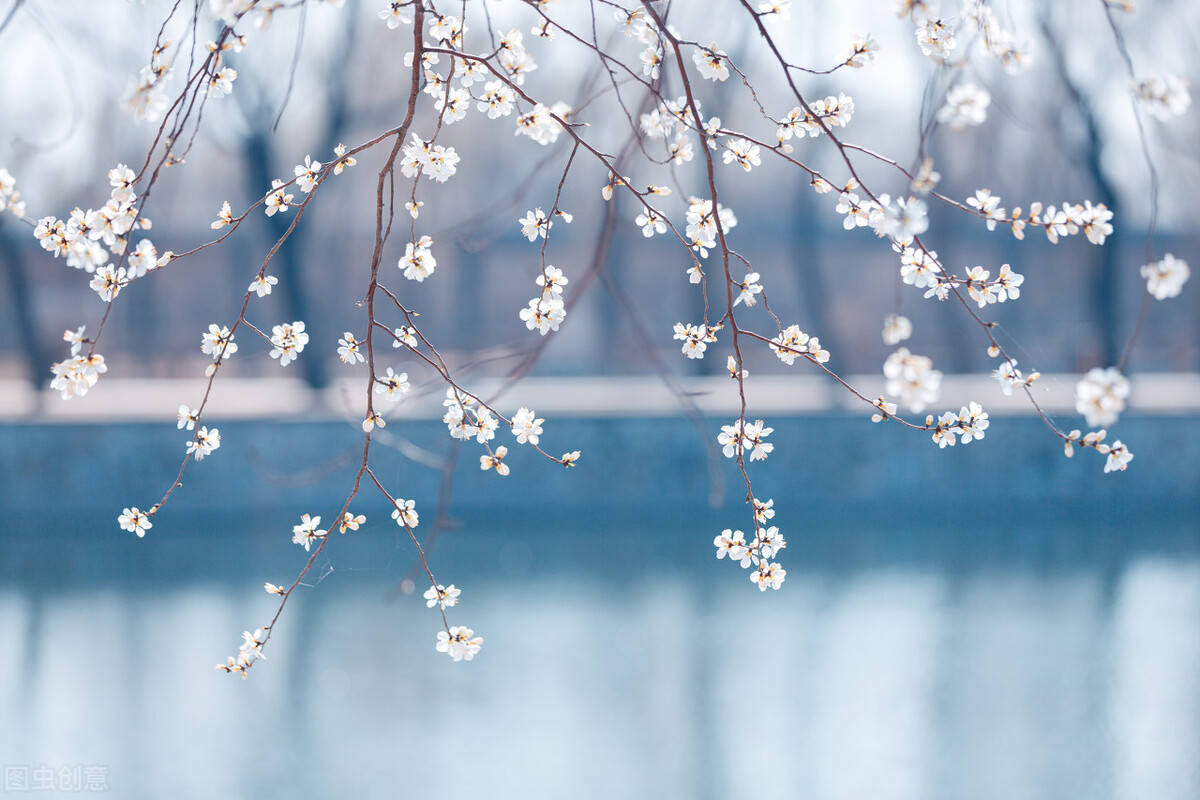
(1105, 303)
(469, 291)
(36, 362)
(258, 151)
(614, 343)
(806, 235)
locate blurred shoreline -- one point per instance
(602, 396)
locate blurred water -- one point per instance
(995, 622)
(1073, 677)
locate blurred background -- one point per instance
(994, 621)
(1061, 131)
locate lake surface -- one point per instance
(927, 679)
(1048, 647)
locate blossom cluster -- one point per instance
(968, 424)
(74, 376)
(10, 197)
(87, 239)
(901, 219)
(1165, 278)
(912, 378)
(1100, 396)
(757, 554)
(1163, 96)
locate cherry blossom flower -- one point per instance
(751, 436)
(74, 376)
(398, 12)
(769, 542)
(885, 410)
(776, 10)
(121, 178)
(405, 336)
(988, 205)
(768, 575)
(1100, 396)
(857, 212)
(540, 123)
(793, 343)
(1164, 96)
(107, 282)
(695, 338)
(221, 83)
(1165, 278)
(972, 422)
(186, 418)
(544, 314)
(262, 285)
(218, 342)
(526, 426)
(75, 338)
(652, 59)
(712, 63)
(730, 543)
(307, 531)
(288, 341)
(418, 262)
(904, 219)
(138, 522)
(350, 349)
(495, 459)
(862, 51)
(750, 289)
(405, 513)
(224, 217)
(1010, 377)
(343, 160)
(741, 152)
(460, 643)
(650, 222)
(497, 100)
(205, 441)
(979, 288)
(278, 199)
(552, 280)
(1118, 457)
(1008, 284)
(936, 39)
(393, 385)
(1096, 222)
(912, 378)
(443, 596)
(307, 174)
(896, 328)
(966, 105)
(252, 643)
(730, 438)
(351, 521)
(534, 224)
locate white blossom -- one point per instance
(460, 643)
(1166, 278)
(1100, 396)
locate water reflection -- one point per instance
(914, 682)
